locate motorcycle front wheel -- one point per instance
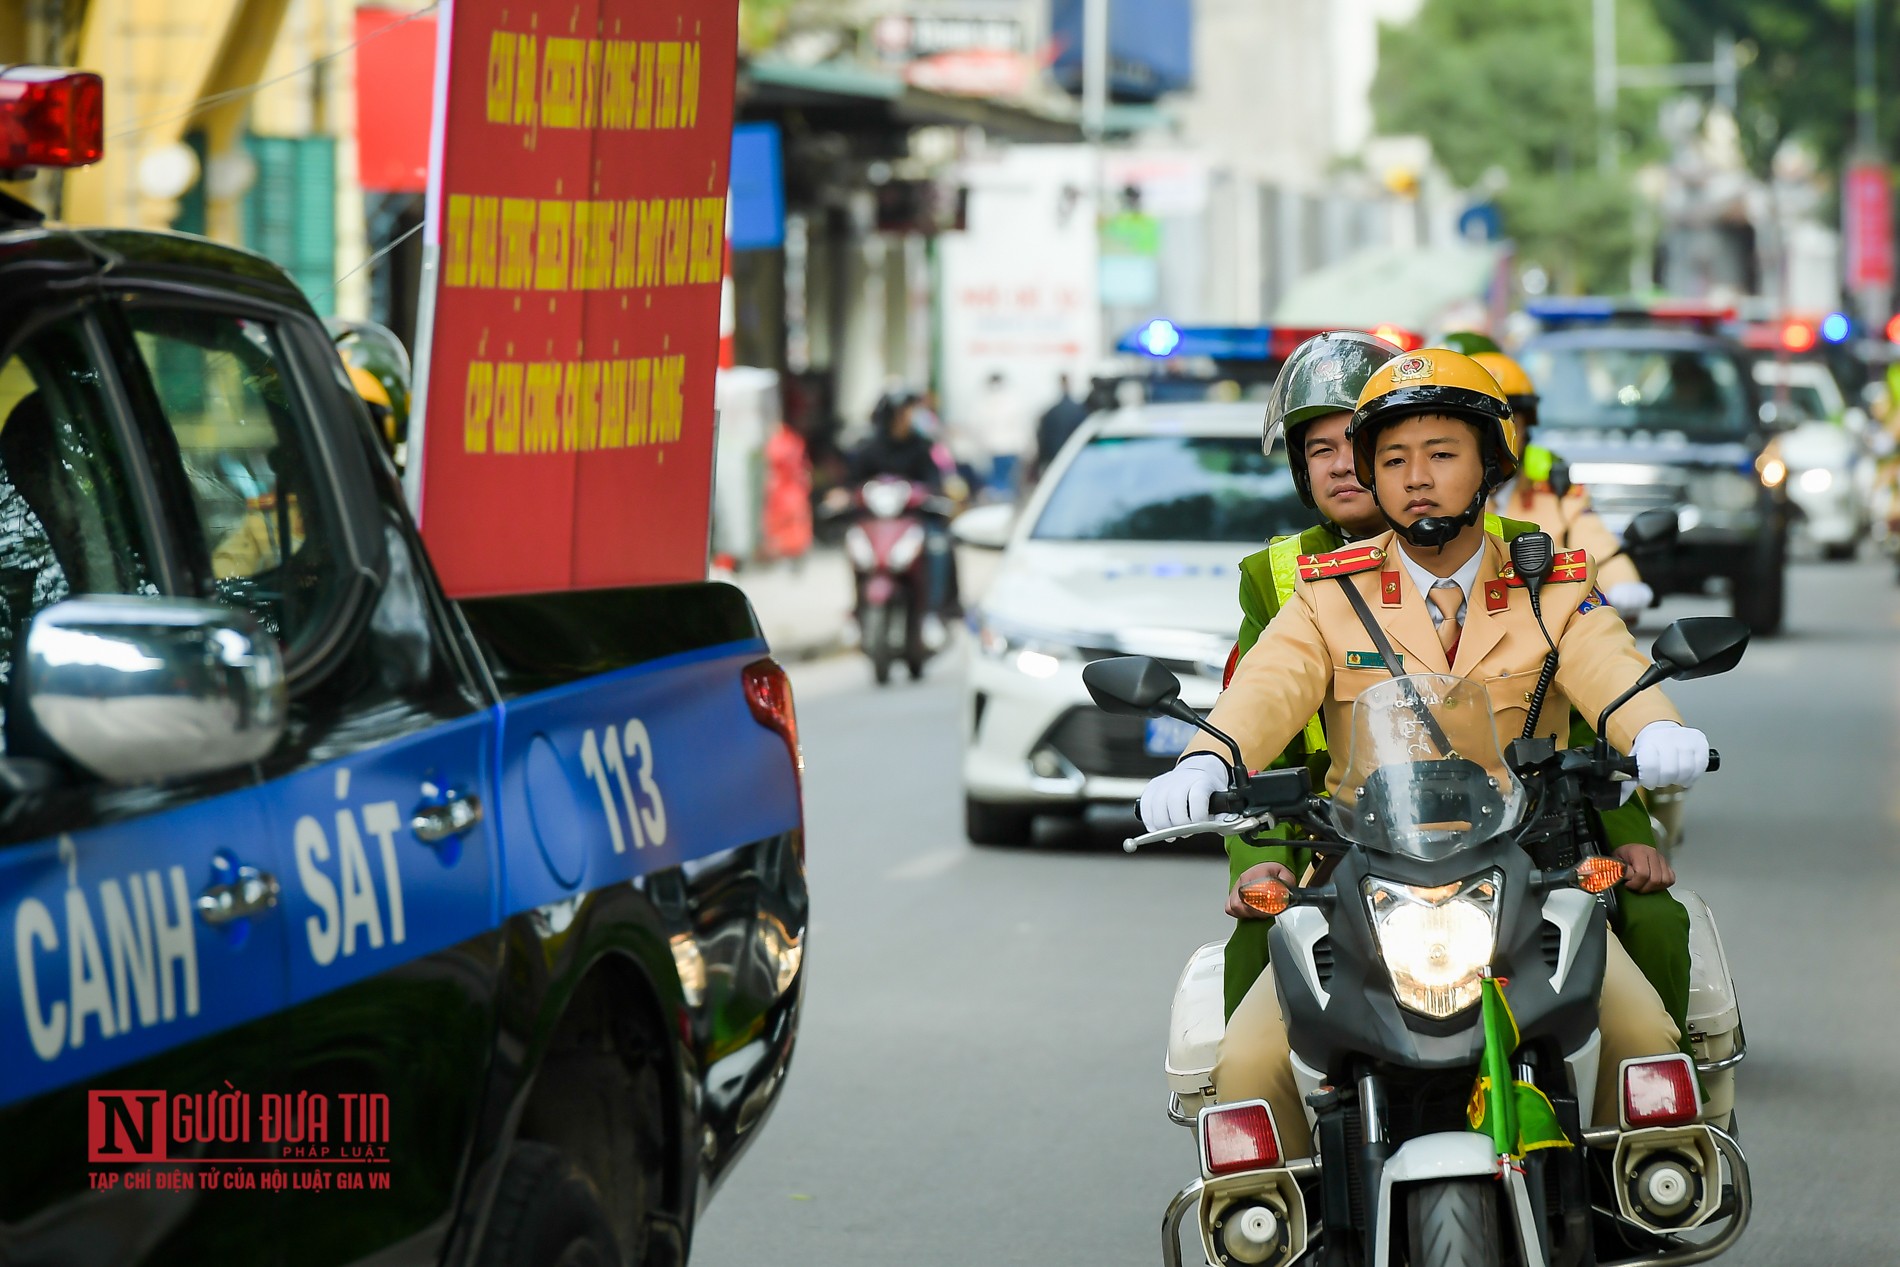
(1454, 1224)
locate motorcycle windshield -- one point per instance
(1425, 776)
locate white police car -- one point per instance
(1130, 546)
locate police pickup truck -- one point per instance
(1655, 407)
(340, 922)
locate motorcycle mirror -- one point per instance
(1132, 686)
(1651, 530)
(1700, 646)
(1560, 482)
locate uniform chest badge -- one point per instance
(1373, 660)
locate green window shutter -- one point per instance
(191, 204)
(290, 212)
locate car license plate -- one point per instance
(1167, 736)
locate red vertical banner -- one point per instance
(577, 224)
(1867, 212)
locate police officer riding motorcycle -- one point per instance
(1451, 862)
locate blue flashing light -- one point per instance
(1572, 308)
(1161, 339)
(1158, 338)
(1835, 327)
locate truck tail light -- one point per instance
(1238, 1137)
(768, 692)
(50, 117)
(1659, 1091)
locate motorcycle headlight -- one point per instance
(1436, 942)
(1817, 479)
(887, 499)
(857, 546)
(905, 549)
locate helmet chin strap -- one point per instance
(1437, 531)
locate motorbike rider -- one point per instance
(1430, 441)
(1310, 405)
(897, 448)
(1565, 515)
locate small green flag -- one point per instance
(1516, 1115)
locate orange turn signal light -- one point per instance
(1599, 874)
(1269, 897)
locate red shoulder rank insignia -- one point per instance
(1320, 567)
(1497, 595)
(1570, 565)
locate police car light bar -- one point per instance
(1597, 309)
(50, 117)
(1164, 340)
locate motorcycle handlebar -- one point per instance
(1627, 765)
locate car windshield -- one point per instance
(1691, 391)
(1424, 774)
(1799, 400)
(1173, 488)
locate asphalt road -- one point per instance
(978, 1080)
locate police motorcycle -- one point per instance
(1450, 872)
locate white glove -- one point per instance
(1180, 796)
(1670, 755)
(1630, 597)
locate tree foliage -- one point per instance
(1507, 84)
(1798, 74)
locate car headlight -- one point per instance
(1034, 651)
(1436, 942)
(857, 546)
(1817, 479)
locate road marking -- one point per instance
(928, 866)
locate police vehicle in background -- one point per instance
(1655, 407)
(515, 887)
(1130, 545)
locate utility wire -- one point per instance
(233, 94)
(408, 233)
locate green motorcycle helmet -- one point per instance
(1324, 375)
(1469, 342)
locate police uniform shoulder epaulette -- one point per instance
(1320, 567)
(1568, 565)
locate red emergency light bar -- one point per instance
(50, 117)
(1284, 339)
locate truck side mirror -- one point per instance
(136, 689)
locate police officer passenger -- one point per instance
(1430, 441)
(1567, 516)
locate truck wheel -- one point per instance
(546, 1214)
(993, 823)
(1454, 1224)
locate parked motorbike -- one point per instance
(889, 547)
(1461, 887)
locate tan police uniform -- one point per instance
(1572, 525)
(1311, 659)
